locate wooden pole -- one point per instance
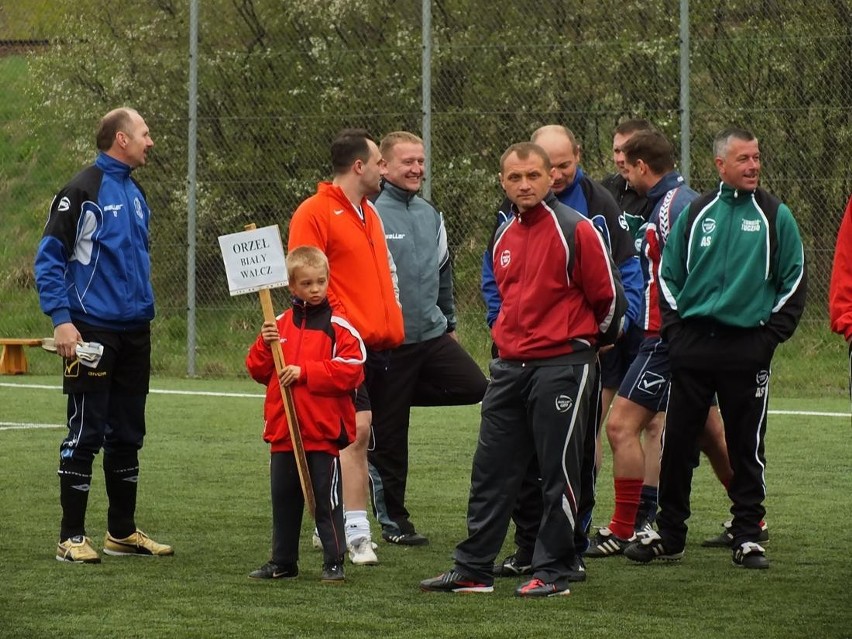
(289, 406)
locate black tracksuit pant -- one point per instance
(527, 512)
(106, 410)
(437, 372)
(529, 410)
(707, 359)
(288, 505)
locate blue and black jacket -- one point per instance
(93, 263)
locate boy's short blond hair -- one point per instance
(302, 256)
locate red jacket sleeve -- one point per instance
(345, 371)
(840, 288)
(259, 362)
(596, 275)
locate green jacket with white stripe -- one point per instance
(736, 258)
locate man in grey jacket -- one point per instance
(430, 368)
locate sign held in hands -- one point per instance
(254, 260)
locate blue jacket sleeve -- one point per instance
(631, 279)
(490, 294)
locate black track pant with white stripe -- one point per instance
(288, 505)
(743, 400)
(527, 512)
(528, 410)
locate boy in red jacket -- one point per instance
(324, 358)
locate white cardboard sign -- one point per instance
(254, 260)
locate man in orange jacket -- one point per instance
(343, 223)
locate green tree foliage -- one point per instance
(277, 80)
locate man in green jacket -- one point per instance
(732, 283)
(430, 368)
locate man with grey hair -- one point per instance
(732, 287)
(93, 272)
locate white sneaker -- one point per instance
(361, 552)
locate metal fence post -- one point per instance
(426, 71)
(685, 146)
(191, 188)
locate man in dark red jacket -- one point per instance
(562, 299)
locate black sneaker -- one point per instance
(537, 588)
(404, 539)
(451, 581)
(606, 544)
(726, 540)
(333, 573)
(577, 571)
(648, 547)
(511, 567)
(271, 570)
(750, 555)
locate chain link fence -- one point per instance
(276, 81)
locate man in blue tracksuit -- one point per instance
(93, 272)
(575, 189)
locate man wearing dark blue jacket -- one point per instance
(93, 272)
(574, 188)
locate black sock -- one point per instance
(74, 483)
(647, 505)
(121, 474)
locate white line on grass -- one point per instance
(153, 390)
(161, 391)
(25, 426)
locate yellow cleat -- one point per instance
(77, 550)
(138, 544)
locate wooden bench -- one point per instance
(13, 360)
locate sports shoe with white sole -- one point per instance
(361, 552)
(649, 547)
(725, 539)
(750, 555)
(451, 581)
(606, 544)
(77, 550)
(137, 544)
